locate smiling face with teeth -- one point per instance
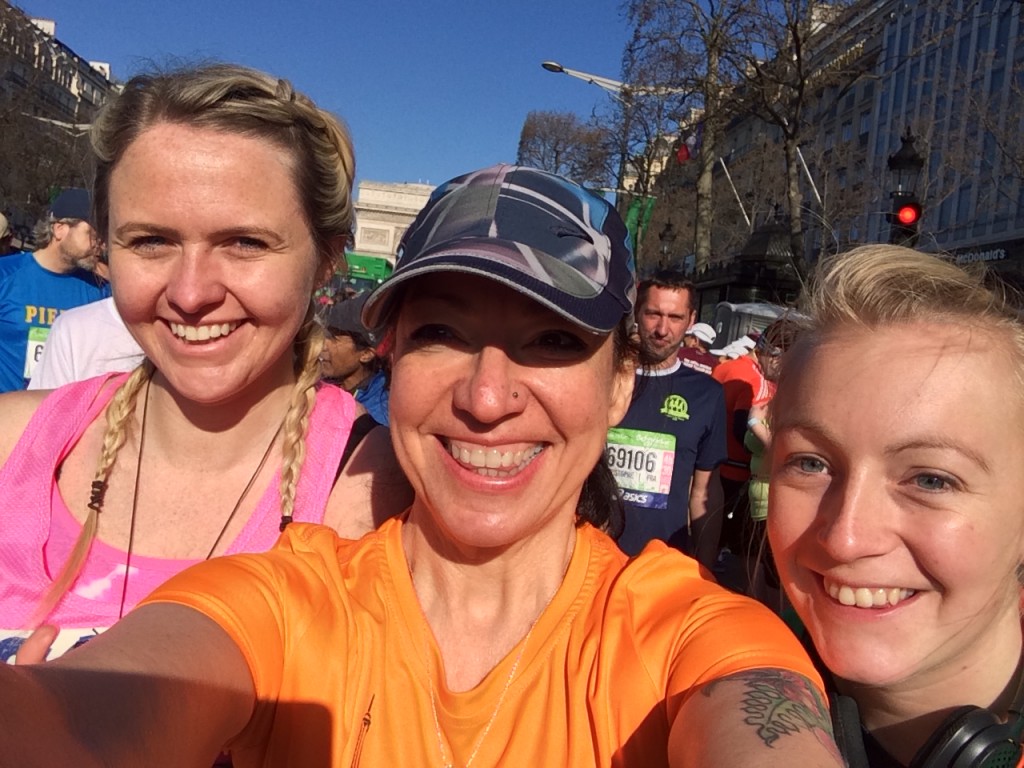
(212, 259)
(896, 517)
(499, 411)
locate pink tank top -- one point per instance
(39, 530)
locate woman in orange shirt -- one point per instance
(495, 623)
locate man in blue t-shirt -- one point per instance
(665, 452)
(36, 287)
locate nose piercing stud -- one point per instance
(515, 395)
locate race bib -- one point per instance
(641, 463)
(11, 640)
(34, 351)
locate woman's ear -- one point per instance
(622, 391)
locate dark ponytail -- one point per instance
(600, 501)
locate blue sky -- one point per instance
(429, 89)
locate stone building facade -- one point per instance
(950, 70)
(383, 212)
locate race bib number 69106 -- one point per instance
(641, 463)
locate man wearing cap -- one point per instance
(696, 343)
(36, 287)
(349, 357)
(665, 451)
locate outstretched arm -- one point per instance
(763, 717)
(164, 686)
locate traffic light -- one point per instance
(905, 219)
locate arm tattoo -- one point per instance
(777, 703)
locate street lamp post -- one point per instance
(623, 94)
(614, 87)
(905, 165)
(667, 238)
(72, 129)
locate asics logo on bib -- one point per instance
(635, 498)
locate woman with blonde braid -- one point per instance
(225, 198)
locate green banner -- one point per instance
(638, 217)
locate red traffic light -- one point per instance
(908, 214)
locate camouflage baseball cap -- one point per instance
(535, 232)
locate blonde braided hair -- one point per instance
(308, 345)
(231, 99)
(119, 413)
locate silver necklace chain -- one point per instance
(445, 762)
(501, 700)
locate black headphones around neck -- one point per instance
(971, 737)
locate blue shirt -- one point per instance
(675, 424)
(31, 297)
(374, 398)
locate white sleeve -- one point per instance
(56, 365)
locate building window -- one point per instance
(995, 83)
(964, 51)
(963, 205)
(847, 130)
(912, 82)
(1001, 43)
(944, 213)
(929, 74)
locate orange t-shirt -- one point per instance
(744, 386)
(338, 649)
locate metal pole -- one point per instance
(807, 172)
(736, 194)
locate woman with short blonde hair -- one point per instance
(896, 517)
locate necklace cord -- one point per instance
(135, 501)
(135, 498)
(245, 491)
